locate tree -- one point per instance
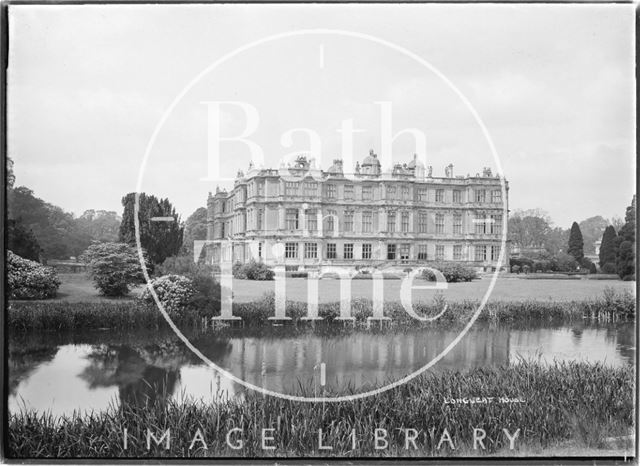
(56, 231)
(592, 229)
(625, 259)
(566, 262)
(195, 228)
(608, 250)
(114, 267)
(576, 243)
(22, 241)
(100, 225)
(159, 238)
(533, 229)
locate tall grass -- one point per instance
(572, 402)
(58, 316)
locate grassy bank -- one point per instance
(63, 316)
(583, 405)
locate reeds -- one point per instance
(23, 316)
(572, 402)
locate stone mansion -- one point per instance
(304, 217)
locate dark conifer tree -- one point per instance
(576, 243)
(608, 250)
(161, 239)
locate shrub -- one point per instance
(174, 292)
(587, 264)
(238, 271)
(252, 270)
(206, 297)
(515, 269)
(30, 280)
(452, 272)
(114, 267)
(566, 262)
(608, 268)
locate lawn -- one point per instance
(77, 287)
(506, 289)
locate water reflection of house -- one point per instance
(360, 358)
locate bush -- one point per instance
(206, 297)
(114, 267)
(30, 280)
(608, 268)
(588, 265)
(175, 293)
(252, 270)
(566, 262)
(452, 272)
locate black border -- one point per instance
(480, 460)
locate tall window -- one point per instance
(222, 230)
(312, 219)
(439, 195)
(259, 219)
(331, 251)
(348, 220)
(496, 196)
(405, 192)
(348, 251)
(391, 251)
(422, 194)
(391, 192)
(481, 224)
(481, 195)
(496, 224)
(292, 219)
(495, 253)
(457, 252)
(457, 223)
(481, 253)
(310, 251)
(457, 196)
(405, 222)
(330, 190)
(366, 250)
(422, 222)
(291, 188)
(290, 250)
(391, 222)
(260, 189)
(311, 189)
(330, 222)
(367, 193)
(422, 252)
(367, 222)
(439, 223)
(348, 191)
(439, 252)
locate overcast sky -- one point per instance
(553, 84)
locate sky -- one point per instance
(89, 86)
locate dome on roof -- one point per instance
(336, 168)
(371, 159)
(415, 162)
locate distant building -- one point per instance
(305, 217)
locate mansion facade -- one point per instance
(304, 217)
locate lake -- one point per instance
(60, 373)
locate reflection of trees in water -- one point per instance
(23, 361)
(145, 373)
(626, 340)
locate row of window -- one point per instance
(330, 191)
(483, 224)
(394, 251)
